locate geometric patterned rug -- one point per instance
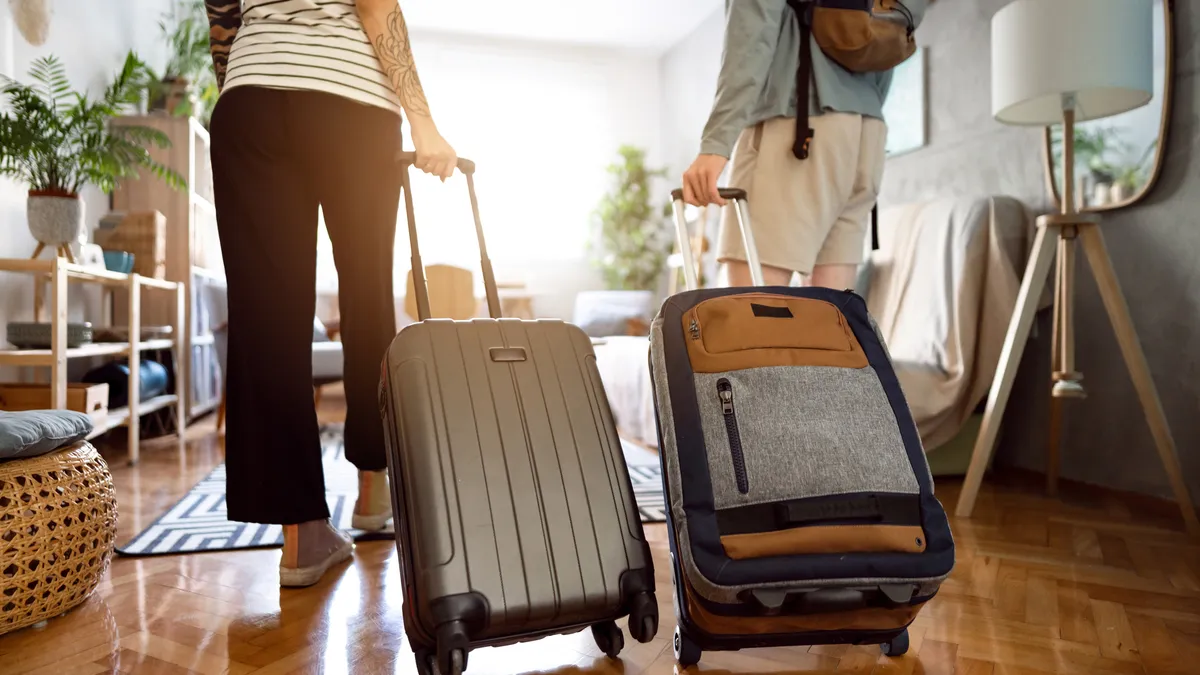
(198, 523)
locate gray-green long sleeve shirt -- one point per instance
(757, 80)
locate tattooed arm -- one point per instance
(224, 20)
(384, 24)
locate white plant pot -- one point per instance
(1119, 193)
(55, 221)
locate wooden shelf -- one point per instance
(120, 416)
(80, 273)
(58, 272)
(45, 357)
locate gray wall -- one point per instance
(1154, 245)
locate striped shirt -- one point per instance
(316, 45)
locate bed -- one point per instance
(942, 287)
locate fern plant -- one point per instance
(56, 140)
(634, 241)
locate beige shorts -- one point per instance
(810, 212)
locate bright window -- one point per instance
(542, 124)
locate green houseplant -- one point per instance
(629, 249)
(634, 240)
(56, 140)
(187, 84)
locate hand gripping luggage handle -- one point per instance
(467, 167)
(738, 197)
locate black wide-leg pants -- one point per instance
(278, 155)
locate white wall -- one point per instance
(542, 122)
(688, 72)
(91, 39)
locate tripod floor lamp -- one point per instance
(1070, 61)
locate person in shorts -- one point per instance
(808, 216)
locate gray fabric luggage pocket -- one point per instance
(783, 433)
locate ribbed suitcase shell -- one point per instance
(515, 515)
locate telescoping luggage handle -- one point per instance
(738, 197)
(467, 167)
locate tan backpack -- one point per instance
(862, 36)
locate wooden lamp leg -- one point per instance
(1056, 403)
(1034, 281)
(38, 251)
(1139, 370)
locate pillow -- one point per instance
(605, 313)
(38, 432)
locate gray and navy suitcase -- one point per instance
(514, 509)
(800, 505)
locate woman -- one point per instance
(309, 117)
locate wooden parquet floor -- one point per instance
(1091, 584)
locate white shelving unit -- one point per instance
(60, 274)
(193, 248)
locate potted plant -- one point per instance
(56, 140)
(187, 84)
(1131, 178)
(632, 243)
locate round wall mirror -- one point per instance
(1117, 159)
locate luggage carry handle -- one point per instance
(467, 168)
(738, 197)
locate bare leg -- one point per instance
(737, 273)
(838, 277)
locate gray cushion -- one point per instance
(38, 432)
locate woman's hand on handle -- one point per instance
(435, 156)
(384, 25)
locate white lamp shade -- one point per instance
(1099, 51)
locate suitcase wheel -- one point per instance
(687, 653)
(451, 648)
(897, 647)
(425, 662)
(643, 620)
(609, 638)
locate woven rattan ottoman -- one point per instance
(58, 521)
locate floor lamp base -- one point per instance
(1049, 238)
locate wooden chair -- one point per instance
(451, 293)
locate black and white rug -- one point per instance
(198, 523)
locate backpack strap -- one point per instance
(875, 227)
(804, 132)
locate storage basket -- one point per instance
(58, 523)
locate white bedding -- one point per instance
(624, 367)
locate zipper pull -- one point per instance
(725, 391)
